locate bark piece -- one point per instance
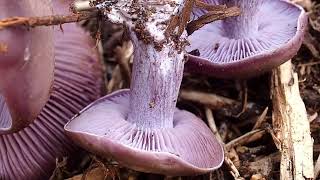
(291, 125)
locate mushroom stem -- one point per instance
(156, 80)
(247, 23)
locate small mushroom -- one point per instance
(141, 128)
(265, 35)
(47, 76)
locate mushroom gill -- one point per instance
(265, 35)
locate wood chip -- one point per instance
(291, 125)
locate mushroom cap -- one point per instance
(280, 26)
(189, 148)
(30, 154)
(25, 54)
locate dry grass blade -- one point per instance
(45, 20)
(210, 17)
(291, 125)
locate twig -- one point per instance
(211, 100)
(212, 124)
(246, 138)
(291, 125)
(233, 170)
(244, 97)
(261, 119)
(202, 5)
(275, 139)
(215, 12)
(227, 106)
(44, 20)
(210, 17)
(185, 16)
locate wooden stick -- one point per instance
(291, 125)
(212, 124)
(44, 20)
(246, 138)
(211, 100)
(210, 17)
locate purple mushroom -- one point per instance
(47, 76)
(141, 128)
(266, 34)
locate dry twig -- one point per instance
(244, 97)
(211, 100)
(210, 17)
(291, 125)
(45, 20)
(261, 119)
(215, 12)
(208, 7)
(246, 138)
(212, 124)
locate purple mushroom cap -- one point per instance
(265, 35)
(27, 54)
(31, 152)
(188, 148)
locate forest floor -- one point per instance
(255, 119)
